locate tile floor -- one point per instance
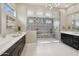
(49, 48)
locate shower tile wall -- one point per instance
(41, 26)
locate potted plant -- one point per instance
(51, 30)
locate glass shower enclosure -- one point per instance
(46, 27)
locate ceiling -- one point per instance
(62, 5)
(46, 6)
(51, 5)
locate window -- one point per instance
(48, 21)
(30, 13)
(39, 14)
(30, 21)
(48, 15)
(8, 9)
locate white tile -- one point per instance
(49, 49)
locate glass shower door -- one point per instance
(56, 26)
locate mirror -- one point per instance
(75, 24)
(75, 21)
(11, 25)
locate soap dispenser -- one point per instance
(19, 29)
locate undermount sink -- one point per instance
(16, 35)
(76, 32)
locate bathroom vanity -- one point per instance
(12, 37)
(70, 38)
(12, 45)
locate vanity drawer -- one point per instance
(71, 40)
(76, 37)
(16, 49)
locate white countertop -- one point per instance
(8, 41)
(76, 33)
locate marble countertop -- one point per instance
(8, 41)
(76, 33)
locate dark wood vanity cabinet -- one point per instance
(16, 49)
(71, 40)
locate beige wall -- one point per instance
(63, 22)
(21, 15)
